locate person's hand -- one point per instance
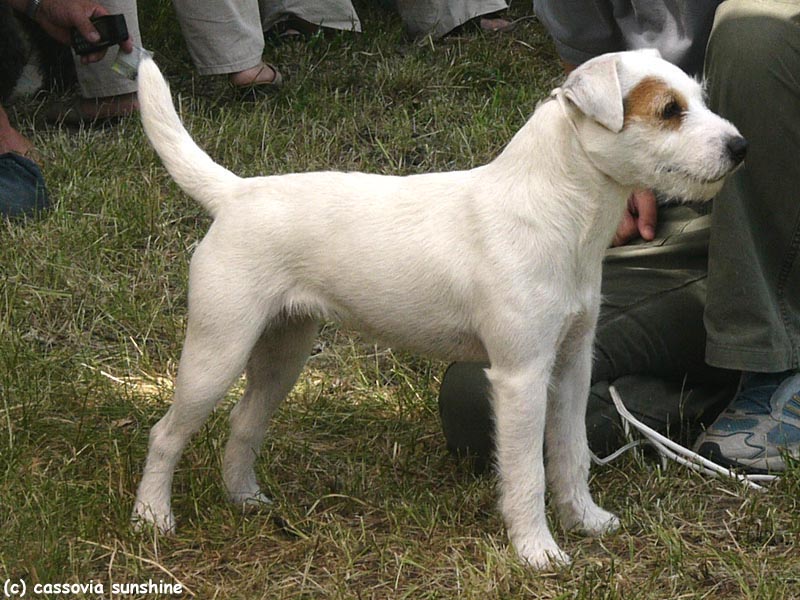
(58, 17)
(639, 219)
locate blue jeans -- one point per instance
(22, 189)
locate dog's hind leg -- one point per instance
(221, 332)
(565, 436)
(520, 401)
(273, 367)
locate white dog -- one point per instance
(500, 263)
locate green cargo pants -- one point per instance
(753, 71)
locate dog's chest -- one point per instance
(578, 318)
(579, 288)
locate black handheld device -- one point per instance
(112, 30)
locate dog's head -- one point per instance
(644, 123)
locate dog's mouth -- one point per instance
(695, 177)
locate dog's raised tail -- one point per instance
(191, 168)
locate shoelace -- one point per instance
(673, 451)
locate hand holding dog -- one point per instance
(639, 218)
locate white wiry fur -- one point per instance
(499, 263)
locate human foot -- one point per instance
(760, 426)
(495, 24)
(22, 188)
(262, 75)
(12, 140)
(87, 111)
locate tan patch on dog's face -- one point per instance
(653, 101)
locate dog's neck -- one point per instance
(548, 154)
(552, 136)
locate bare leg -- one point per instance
(12, 140)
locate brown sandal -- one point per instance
(71, 113)
(255, 88)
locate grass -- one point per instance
(368, 504)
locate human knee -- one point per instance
(748, 38)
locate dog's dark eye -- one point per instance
(671, 111)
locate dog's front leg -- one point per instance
(520, 402)
(565, 434)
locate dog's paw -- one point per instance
(249, 501)
(592, 521)
(542, 556)
(144, 517)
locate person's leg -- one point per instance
(753, 311)
(331, 14)
(12, 140)
(223, 36)
(439, 17)
(22, 188)
(105, 93)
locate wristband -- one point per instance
(32, 8)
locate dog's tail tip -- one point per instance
(154, 93)
(191, 168)
(147, 70)
(146, 62)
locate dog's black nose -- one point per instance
(737, 149)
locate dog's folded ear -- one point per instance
(652, 52)
(595, 90)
